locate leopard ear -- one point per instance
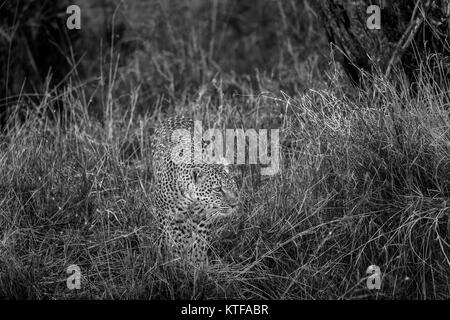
(197, 175)
(235, 171)
(225, 164)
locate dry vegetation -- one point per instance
(365, 175)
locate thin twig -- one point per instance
(406, 38)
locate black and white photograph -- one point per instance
(243, 152)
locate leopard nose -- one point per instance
(233, 198)
(234, 204)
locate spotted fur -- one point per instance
(189, 196)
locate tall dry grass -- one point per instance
(364, 179)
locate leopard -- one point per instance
(189, 196)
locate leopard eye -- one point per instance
(217, 188)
